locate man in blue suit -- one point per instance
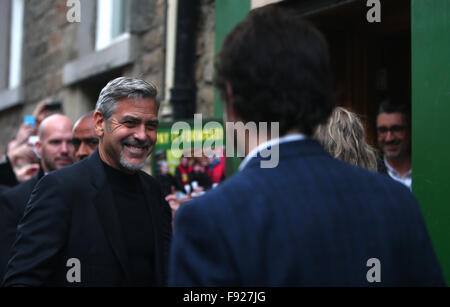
(310, 220)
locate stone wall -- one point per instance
(47, 45)
(51, 42)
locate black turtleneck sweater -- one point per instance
(136, 223)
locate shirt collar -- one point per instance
(288, 138)
(393, 172)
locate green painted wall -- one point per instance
(227, 14)
(431, 119)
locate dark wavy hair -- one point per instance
(278, 67)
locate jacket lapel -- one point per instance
(107, 212)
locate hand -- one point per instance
(40, 113)
(174, 202)
(198, 190)
(26, 172)
(22, 154)
(25, 131)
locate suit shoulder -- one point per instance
(19, 190)
(75, 168)
(72, 174)
(374, 183)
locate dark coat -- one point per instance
(71, 214)
(310, 221)
(7, 175)
(12, 206)
(381, 167)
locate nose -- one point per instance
(141, 133)
(67, 148)
(64, 148)
(82, 151)
(389, 136)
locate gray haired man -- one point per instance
(101, 222)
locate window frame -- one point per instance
(107, 33)
(16, 43)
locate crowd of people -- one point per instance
(313, 220)
(192, 176)
(59, 144)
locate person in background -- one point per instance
(20, 162)
(166, 180)
(215, 169)
(198, 178)
(344, 138)
(182, 172)
(56, 151)
(85, 141)
(394, 140)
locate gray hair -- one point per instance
(122, 88)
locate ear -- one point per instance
(39, 148)
(231, 113)
(99, 124)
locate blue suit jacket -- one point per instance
(71, 214)
(311, 221)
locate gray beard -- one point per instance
(129, 166)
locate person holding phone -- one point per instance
(56, 151)
(19, 163)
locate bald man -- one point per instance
(56, 151)
(85, 141)
(55, 143)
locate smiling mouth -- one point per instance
(391, 146)
(136, 150)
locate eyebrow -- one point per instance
(135, 119)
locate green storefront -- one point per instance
(429, 29)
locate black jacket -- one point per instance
(71, 215)
(381, 167)
(12, 206)
(7, 175)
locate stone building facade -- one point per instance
(65, 61)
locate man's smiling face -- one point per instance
(394, 137)
(129, 136)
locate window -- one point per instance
(15, 47)
(11, 36)
(111, 23)
(171, 26)
(113, 46)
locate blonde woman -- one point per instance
(344, 138)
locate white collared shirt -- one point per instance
(261, 147)
(406, 179)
